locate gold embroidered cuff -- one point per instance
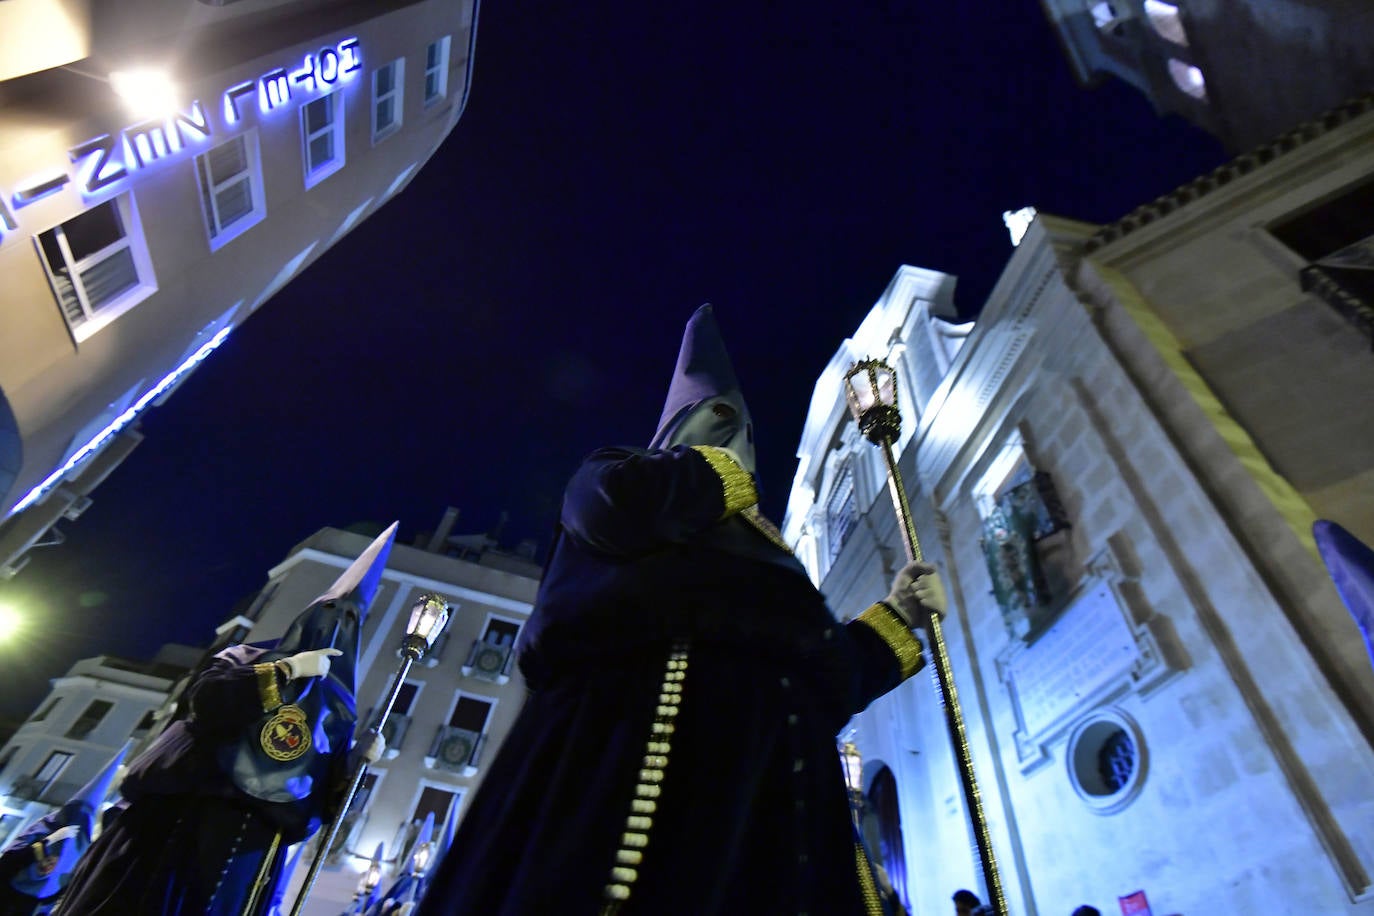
(737, 483)
(892, 630)
(267, 686)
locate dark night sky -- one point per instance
(522, 301)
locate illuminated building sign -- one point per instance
(106, 160)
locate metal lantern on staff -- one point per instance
(428, 617)
(871, 390)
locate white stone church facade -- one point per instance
(1117, 469)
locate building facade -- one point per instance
(454, 707)
(1243, 70)
(93, 710)
(1117, 471)
(135, 236)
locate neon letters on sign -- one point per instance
(109, 159)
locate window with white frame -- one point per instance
(841, 510)
(457, 746)
(490, 656)
(399, 722)
(501, 631)
(230, 177)
(45, 709)
(436, 801)
(322, 137)
(470, 712)
(52, 767)
(356, 817)
(436, 70)
(388, 98)
(94, 713)
(97, 264)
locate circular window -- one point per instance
(1106, 758)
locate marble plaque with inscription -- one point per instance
(1089, 648)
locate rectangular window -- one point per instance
(436, 801)
(97, 265)
(436, 70)
(470, 713)
(356, 816)
(146, 722)
(405, 698)
(46, 709)
(491, 657)
(458, 745)
(841, 512)
(90, 717)
(52, 767)
(1336, 239)
(322, 137)
(500, 632)
(230, 178)
(398, 723)
(388, 95)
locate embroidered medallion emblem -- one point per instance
(286, 736)
(45, 864)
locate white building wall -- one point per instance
(134, 691)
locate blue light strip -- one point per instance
(120, 422)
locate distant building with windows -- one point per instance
(455, 706)
(453, 711)
(1243, 70)
(1117, 469)
(93, 710)
(133, 240)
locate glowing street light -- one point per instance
(145, 92)
(11, 622)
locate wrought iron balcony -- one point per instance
(489, 661)
(456, 750)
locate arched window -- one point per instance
(1188, 79)
(1164, 19)
(882, 798)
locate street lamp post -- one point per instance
(871, 390)
(428, 617)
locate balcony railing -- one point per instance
(489, 661)
(456, 750)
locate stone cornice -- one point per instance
(1224, 174)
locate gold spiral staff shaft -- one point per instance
(871, 390)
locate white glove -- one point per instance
(314, 663)
(370, 747)
(916, 590)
